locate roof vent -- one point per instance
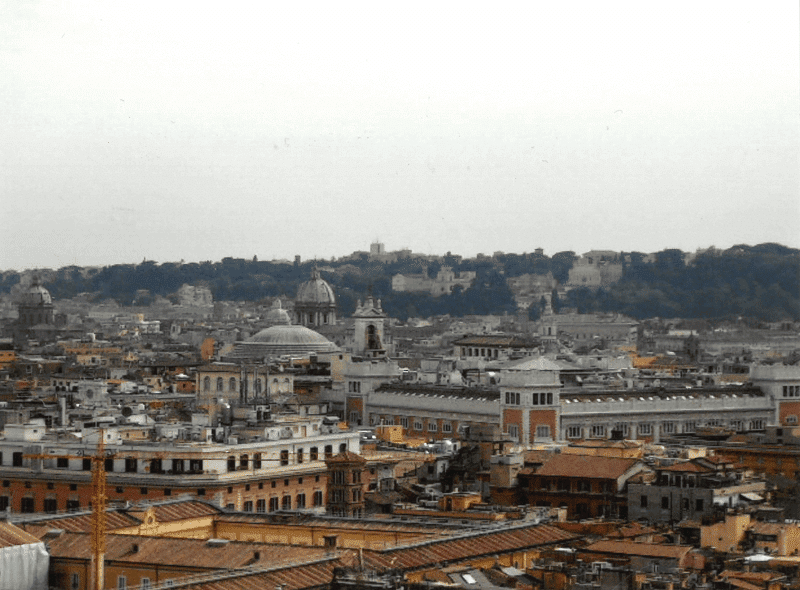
(217, 542)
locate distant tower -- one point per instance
(376, 248)
(368, 336)
(315, 304)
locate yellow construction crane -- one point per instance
(99, 504)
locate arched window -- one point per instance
(207, 384)
(232, 384)
(219, 383)
(258, 386)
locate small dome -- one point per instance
(317, 291)
(36, 295)
(277, 316)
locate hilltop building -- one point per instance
(595, 269)
(443, 284)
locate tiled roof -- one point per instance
(11, 535)
(77, 523)
(189, 553)
(453, 550)
(171, 511)
(639, 549)
(586, 466)
(686, 467)
(346, 457)
(302, 576)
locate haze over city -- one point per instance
(139, 130)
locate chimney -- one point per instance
(330, 543)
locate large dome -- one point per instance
(289, 335)
(316, 290)
(282, 340)
(36, 295)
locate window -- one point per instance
(261, 505)
(791, 420)
(665, 502)
(232, 384)
(643, 501)
(284, 457)
(299, 455)
(62, 463)
(542, 431)
(417, 424)
(313, 454)
(109, 464)
(645, 429)
(690, 426)
(432, 427)
(513, 431)
(248, 506)
(622, 427)
(145, 584)
(177, 466)
(286, 503)
(86, 464)
(244, 462)
(219, 383)
(342, 447)
(131, 465)
(3, 503)
(16, 459)
(355, 418)
(300, 501)
(317, 498)
(598, 431)
(122, 583)
(574, 431)
(328, 451)
(167, 492)
(273, 504)
(668, 427)
(698, 505)
(512, 398)
(207, 384)
(75, 581)
(27, 505)
(756, 425)
(231, 463)
(196, 465)
(447, 427)
(404, 422)
(584, 485)
(50, 505)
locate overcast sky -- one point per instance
(177, 130)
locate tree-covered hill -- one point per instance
(760, 281)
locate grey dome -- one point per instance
(316, 290)
(282, 340)
(36, 295)
(289, 335)
(277, 316)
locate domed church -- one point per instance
(315, 304)
(35, 306)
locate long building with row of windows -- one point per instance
(534, 406)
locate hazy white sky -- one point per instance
(177, 130)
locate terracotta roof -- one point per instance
(640, 549)
(77, 523)
(453, 550)
(172, 511)
(565, 465)
(633, 529)
(346, 457)
(301, 576)
(11, 535)
(189, 553)
(686, 467)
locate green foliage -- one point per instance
(760, 281)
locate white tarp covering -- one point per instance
(24, 567)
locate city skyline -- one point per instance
(135, 131)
